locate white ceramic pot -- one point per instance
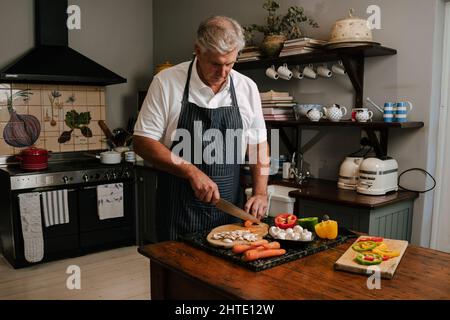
(110, 157)
(335, 112)
(351, 29)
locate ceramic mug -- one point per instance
(130, 156)
(338, 68)
(401, 110)
(323, 71)
(284, 72)
(363, 115)
(272, 73)
(297, 73)
(309, 72)
(314, 115)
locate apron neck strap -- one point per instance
(186, 87)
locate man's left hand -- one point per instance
(257, 206)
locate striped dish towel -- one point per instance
(56, 207)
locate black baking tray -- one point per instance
(198, 239)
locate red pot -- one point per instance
(33, 159)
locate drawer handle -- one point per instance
(90, 188)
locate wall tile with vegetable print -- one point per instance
(66, 117)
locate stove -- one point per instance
(79, 174)
(57, 174)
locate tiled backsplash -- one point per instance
(79, 98)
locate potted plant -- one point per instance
(279, 28)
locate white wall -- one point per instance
(410, 26)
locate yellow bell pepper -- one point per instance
(384, 251)
(327, 229)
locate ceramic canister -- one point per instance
(389, 111)
(401, 112)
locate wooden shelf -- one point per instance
(352, 59)
(327, 191)
(319, 56)
(346, 123)
(377, 131)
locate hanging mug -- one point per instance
(323, 71)
(309, 72)
(272, 73)
(297, 73)
(338, 68)
(284, 72)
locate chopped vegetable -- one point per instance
(374, 239)
(308, 223)
(248, 223)
(254, 254)
(327, 229)
(285, 220)
(361, 246)
(241, 248)
(368, 259)
(384, 251)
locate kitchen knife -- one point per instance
(231, 209)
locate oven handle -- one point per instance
(46, 190)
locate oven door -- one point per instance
(98, 234)
(60, 240)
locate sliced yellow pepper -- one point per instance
(327, 229)
(385, 251)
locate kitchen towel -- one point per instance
(30, 217)
(56, 207)
(110, 201)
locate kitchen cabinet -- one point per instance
(181, 271)
(388, 216)
(146, 186)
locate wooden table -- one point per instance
(180, 271)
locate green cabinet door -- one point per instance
(146, 185)
(392, 221)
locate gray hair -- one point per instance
(221, 34)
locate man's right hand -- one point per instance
(204, 188)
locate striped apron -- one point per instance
(178, 210)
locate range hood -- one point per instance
(52, 60)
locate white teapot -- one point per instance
(314, 115)
(335, 112)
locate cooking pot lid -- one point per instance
(33, 151)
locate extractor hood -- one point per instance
(52, 60)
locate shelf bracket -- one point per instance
(379, 145)
(354, 65)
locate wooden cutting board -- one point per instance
(260, 230)
(387, 268)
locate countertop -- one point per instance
(327, 191)
(180, 271)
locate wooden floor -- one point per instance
(120, 274)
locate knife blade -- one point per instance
(231, 209)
